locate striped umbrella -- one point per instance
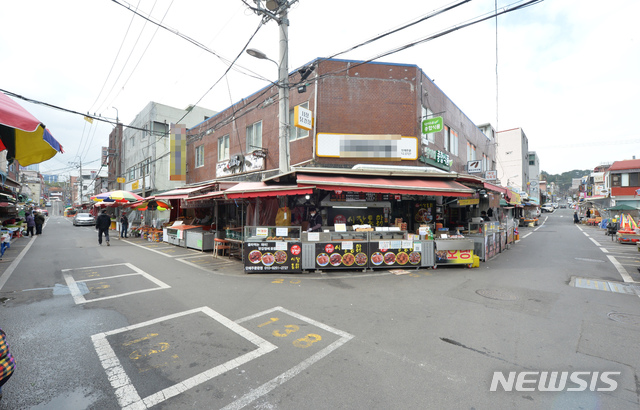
(24, 137)
(117, 196)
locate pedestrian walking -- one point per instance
(124, 225)
(31, 224)
(7, 362)
(39, 219)
(575, 217)
(588, 213)
(103, 223)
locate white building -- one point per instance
(512, 156)
(534, 177)
(145, 158)
(86, 186)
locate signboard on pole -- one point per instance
(474, 166)
(491, 175)
(431, 125)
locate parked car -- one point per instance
(547, 208)
(555, 205)
(563, 206)
(83, 219)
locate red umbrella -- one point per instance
(24, 137)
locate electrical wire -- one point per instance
(141, 56)
(238, 68)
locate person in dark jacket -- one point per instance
(315, 221)
(39, 219)
(103, 223)
(31, 223)
(124, 225)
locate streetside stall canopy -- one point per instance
(400, 186)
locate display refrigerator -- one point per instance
(485, 237)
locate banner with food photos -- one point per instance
(272, 256)
(385, 254)
(342, 255)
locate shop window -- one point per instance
(200, 156)
(634, 179)
(223, 148)
(296, 133)
(254, 136)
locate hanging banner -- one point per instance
(178, 154)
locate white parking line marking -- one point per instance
(623, 272)
(127, 395)
(585, 234)
(149, 249)
(596, 242)
(5, 276)
(527, 235)
(604, 250)
(289, 374)
(79, 298)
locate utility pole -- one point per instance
(81, 182)
(278, 11)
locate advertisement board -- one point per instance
(272, 256)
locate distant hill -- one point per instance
(564, 180)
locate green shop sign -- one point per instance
(432, 125)
(436, 158)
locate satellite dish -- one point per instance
(272, 5)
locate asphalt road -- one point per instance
(140, 324)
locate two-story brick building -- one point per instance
(363, 113)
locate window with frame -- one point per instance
(426, 114)
(146, 166)
(296, 133)
(133, 140)
(254, 136)
(471, 152)
(132, 174)
(450, 140)
(200, 156)
(223, 148)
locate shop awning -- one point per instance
(260, 189)
(406, 186)
(6, 181)
(494, 188)
(210, 195)
(182, 193)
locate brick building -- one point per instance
(363, 113)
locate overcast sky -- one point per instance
(567, 69)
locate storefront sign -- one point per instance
(472, 201)
(436, 158)
(454, 256)
(348, 196)
(370, 146)
(120, 180)
(491, 175)
(239, 164)
(474, 167)
(302, 118)
(432, 125)
(272, 256)
(336, 256)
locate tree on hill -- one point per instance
(564, 181)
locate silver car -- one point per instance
(83, 219)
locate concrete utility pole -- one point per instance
(278, 11)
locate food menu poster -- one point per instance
(356, 216)
(399, 256)
(276, 256)
(342, 255)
